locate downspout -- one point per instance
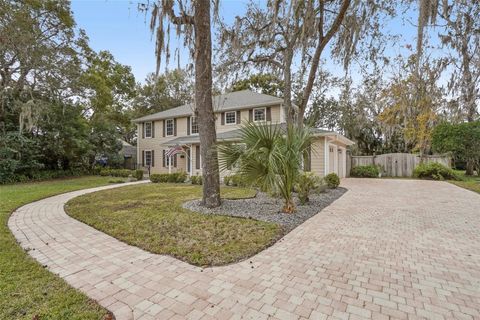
(325, 156)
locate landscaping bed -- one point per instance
(266, 208)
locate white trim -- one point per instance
(173, 127)
(335, 158)
(326, 156)
(264, 114)
(145, 130)
(191, 126)
(225, 118)
(151, 158)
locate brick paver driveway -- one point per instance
(388, 249)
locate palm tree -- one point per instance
(268, 156)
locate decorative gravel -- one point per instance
(265, 208)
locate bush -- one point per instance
(369, 171)
(434, 171)
(138, 174)
(227, 180)
(332, 180)
(42, 175)
(306, 183)
(196, 180)
(176, 177)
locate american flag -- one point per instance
(173, 150)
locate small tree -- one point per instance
(269, 156)
(463, 140)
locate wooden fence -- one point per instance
(396, 164)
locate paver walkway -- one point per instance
(388, 249)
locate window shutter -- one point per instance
(143, 130)
(189, 160)
(175, 127)
(269, 114)
(197, 157)
(250, 115)
(175, 160)
(223, 118)
(239, 117)
(153, 158)
(188, 126)
(153, 129)
(163, 158)
(143, 158)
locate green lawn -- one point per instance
(151, 217)
(26, 288)
(468, 182)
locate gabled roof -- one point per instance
(237, 100)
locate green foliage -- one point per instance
(196, 180)
(235, 180)
(434, 171)
(462, 140)
(176, 177)
(332, 180)
(138, 174)
(306, 183)
(124, 173)
(268, 157)
(369, 171)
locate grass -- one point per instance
(151, 217)
(468, 182)
(26, 288)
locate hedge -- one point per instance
(369, 171)
(434, 171)
(176, 177)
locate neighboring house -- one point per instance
(129, 154)
(177, 127)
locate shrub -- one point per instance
(196, 180)
(369, 171)
(138, 174)
(176, 177)
(156, 178)
(434, 171)
(332, 180)
(306, 183)
(238, 181)
(227, 180)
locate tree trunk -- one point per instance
(204, 106)
(315, 62)
(287, 94)
(469, 167)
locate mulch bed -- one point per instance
(265, 208)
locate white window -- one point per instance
(193, 125)
(259, 114)
(231, 117)
(169, 127)
(148, 129)
(148, 158)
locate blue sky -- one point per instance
(117, 26)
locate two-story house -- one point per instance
(177, 127)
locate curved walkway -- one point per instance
(388, 249)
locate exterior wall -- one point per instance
(318, 157)
(157, 142)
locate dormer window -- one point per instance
(259, 114)
(148, 129)
(169, 127)
(231, 117)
